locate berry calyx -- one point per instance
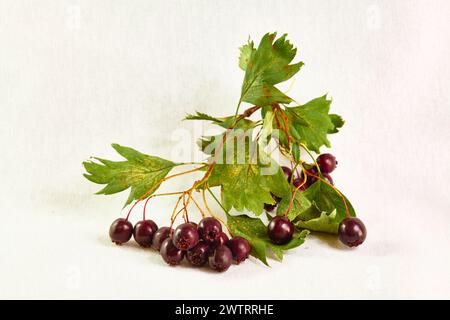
(352, 232)
(171, 254)
(143, 232)
(159, 236)
(120, 231)
(327, 162)
(209, 229)
(240, 248)
(280, 230)
(185, 236)
(221, 259)
(198, 255)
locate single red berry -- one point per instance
(209, 229)
(120, 231)
(280, 230)
(159, 236)
(198, 255)
(171, 254)
(327, 162)
(240, 248)
(221, 259)
(143, 232)
(185, 236)
(352, 232)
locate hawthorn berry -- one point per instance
(240, 248)
(185, 236)
(171, 254)
(120, 231)
(221, 259)
(143, 232)
(280, 230)
(352, 232)
(209, 229)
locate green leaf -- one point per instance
(324, 223)
(201, 116)
(265, 67)
(256, 233)
(248, 177)
(310, 123)
(140, 172)
(325, 200)
(225, 122)
(247, 51)
(300, 207)
(338, 123)
(296, 152)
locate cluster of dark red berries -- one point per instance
(352, 231)
(200, 244)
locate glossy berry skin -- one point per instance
(198, 255)
(185, 236)
(327, 162)
(143, 232)
(171, 254)
(328, 178)
(280, 230)
(352, 232)
(240, 248)
(209, 229)
(159, 236)
(221, 240)
(120, 231)
(287, 173)
(221, 259)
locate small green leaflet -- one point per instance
(265, 67)
(324, 223)
(310, 123)
(256, 233)
(246, 53)
(226, 122)
(300, 207)
(248, 182)
(140, 172)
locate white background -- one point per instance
(78, 75)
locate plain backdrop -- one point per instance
(76, 76)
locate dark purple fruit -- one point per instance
(143, 232)
(120, 231)
(171, 254)
(221, 240)
(185, 236)
(209, 229)
(198, 255)
(159, 236)
(280, 230)
(299, 182)
(352, 232)
(221, 259)
(240, 248)
(327, 162)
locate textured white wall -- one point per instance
(78, 75)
